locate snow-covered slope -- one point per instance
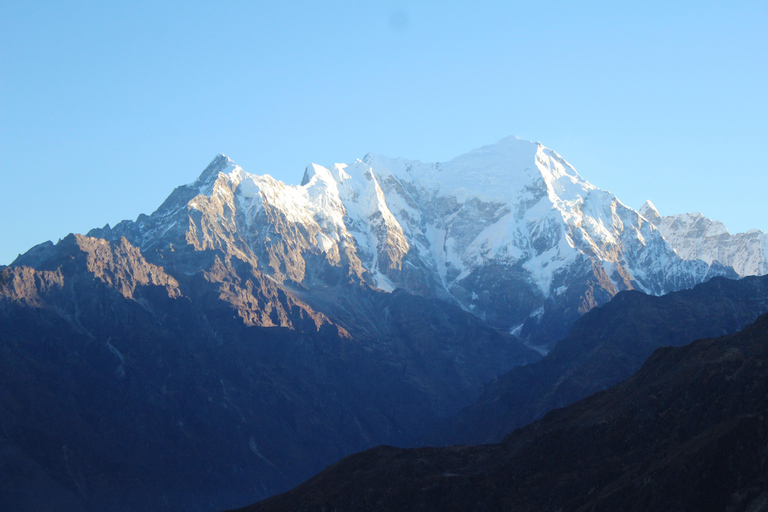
(694, 236)
(508, 231)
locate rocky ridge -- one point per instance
(695, 237)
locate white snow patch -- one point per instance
(516, 330)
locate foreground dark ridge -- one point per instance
(687, 432)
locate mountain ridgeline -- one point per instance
(509, 232)
(249, 333)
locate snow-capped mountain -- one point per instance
(694, 236)
(510, 232)
(249, 333)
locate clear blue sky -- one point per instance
(105, 107)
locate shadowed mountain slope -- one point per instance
(604, 347)
(125, 388)
(688, 432)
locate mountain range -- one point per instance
(249, 333)
(693, 236)
(509, 232)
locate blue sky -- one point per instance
(105, 107)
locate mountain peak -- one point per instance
(334, 174)
(649, 211)
(508, 146)
(220, 163)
